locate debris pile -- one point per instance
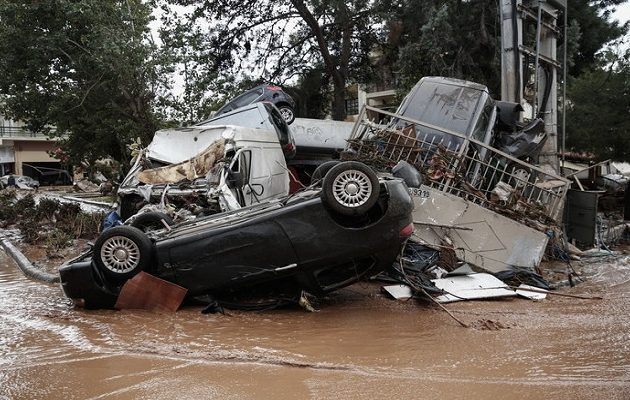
(47, 222)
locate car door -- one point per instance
(244, 253)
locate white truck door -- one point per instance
(258, 174)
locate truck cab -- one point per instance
(204, 170)
(452, 105)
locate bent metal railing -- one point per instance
(462, 166)
(19, 132)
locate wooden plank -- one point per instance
(147, 292)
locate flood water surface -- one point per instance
(360, 345)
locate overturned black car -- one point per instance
(317, 240)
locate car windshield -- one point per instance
(446, 106)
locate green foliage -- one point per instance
(29, 229)
(599, 106)
(445, 38)
(25, 204)
(272, 41)
(87, 68)
(461, 39)
(592, 20)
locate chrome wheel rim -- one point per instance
(120, 254)
(352, 188)
(522, 176)
(287, 114)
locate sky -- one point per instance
(623, 13)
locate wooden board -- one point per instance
(146, 292)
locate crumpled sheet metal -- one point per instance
(495, 243)
(173, 146)
(191, 169)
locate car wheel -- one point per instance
(519, 175)
(121, 252)
(287, 114)
(350, 188)
(322, 169)
(151, 221)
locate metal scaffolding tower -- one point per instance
(530, 66)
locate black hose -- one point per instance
(548, 85)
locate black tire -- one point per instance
(322, 169)
(151, 220)
(350, 188)
(287, 113)
(121, 252)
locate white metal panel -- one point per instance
(494, 243)
(320, 134)
(173, 146)
(531, 292)
(470, 287)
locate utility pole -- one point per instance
(530, 66)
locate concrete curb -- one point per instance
(25, 265)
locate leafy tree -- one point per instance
(597, 117)
(84, 67)
(590, 22)
(448, 38)
(461, 39)
(279, 40)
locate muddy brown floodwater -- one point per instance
(359, 346)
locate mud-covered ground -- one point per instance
(360, 345)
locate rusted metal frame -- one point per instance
(541, 57)
(527, 11)
(578, 182)
(472, 140)
(554, 197)
(587, 168)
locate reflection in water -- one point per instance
(358, 343)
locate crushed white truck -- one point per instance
(239, 158)
(203, 170)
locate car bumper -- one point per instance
(82, 283)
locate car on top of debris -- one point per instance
(268, 93)
(443, 105)
(317, 240)
(258, 116)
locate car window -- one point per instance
(479, 132)
(282, 129)
(247, 98)
(242, 164)
(447, 106)
(246, 165)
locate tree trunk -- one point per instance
(339, 97)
